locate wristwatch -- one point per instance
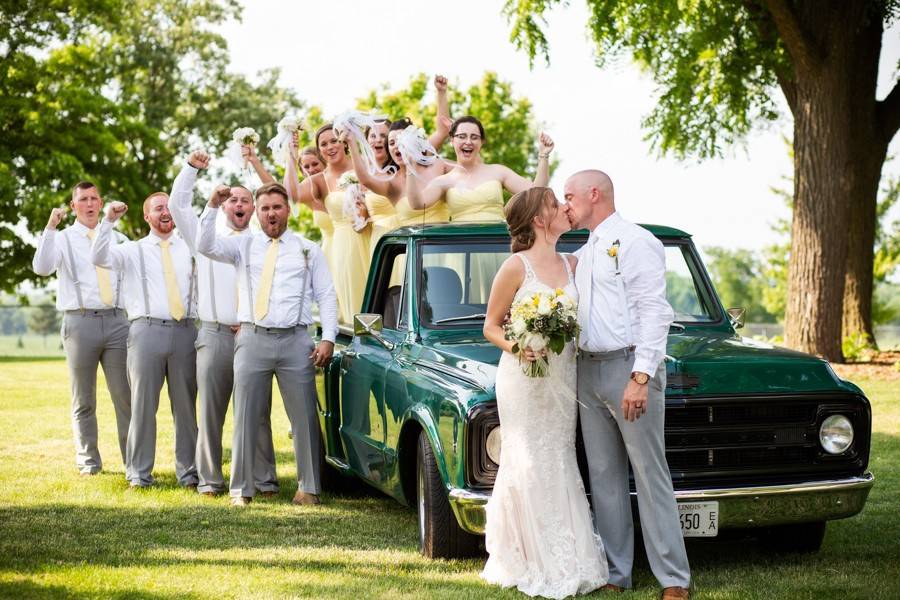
(639, 377)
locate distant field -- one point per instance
(31, 345)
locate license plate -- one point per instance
(699, 519)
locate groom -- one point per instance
(625, 318)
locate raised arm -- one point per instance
(301, 192)
(515, 183)
(181, 196)
(208, 243)
(379, 186)
(249, 154)
(443, 121)
(47, 257)
(104, 253)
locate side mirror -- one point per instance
(370, 324)
(736, 316)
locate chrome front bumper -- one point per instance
(738, 507)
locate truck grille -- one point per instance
(762, 439)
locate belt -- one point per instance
(609, 355)
(165, 322)
(215, 325)
(274, 330)
(96, 312)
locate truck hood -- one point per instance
(697, 363)
(722, 363)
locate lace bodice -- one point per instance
(532, 284)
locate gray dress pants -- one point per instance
(259, 354)
(158, 352)
(90, 338)
(215, 378)
(611, 443)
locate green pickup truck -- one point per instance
(757, 437)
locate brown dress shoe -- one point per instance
(304, 498)
(611, 587)
(241, 501)
(267, 494)
(675, 593)
(209, 494)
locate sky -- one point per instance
(333, 52)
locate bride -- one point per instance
(539, 532)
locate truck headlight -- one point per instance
(492, 445)
(836, 434)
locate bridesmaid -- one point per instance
(310, 164)
(385, 200)
(349, 248)
(473, 189)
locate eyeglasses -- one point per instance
(462, 137)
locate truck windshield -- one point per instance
(456, 279)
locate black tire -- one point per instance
(440, 536)
(802, 538)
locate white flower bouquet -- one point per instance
(242, 136)
(542, 321)
(280, 145)
(415, 148)
(353, 195)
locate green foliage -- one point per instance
(886, 303)
(115, 92)
(887, 238)
(857, 348)
(44, 320)
(739, 277)
(509, 126)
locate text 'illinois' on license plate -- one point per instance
(699, 519)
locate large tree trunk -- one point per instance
(857, 319)
(834, 48)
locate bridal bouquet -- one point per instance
(353, 194)
(245, 136)
(280, 145)
(541, 321)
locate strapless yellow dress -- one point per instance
(351, 257)
(408, 216)
(323, 222)
(383, 216)
(482, 204)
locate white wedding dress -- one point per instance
(539, 531)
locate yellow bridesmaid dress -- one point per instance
(323, 222)
(351, 257)
(481, 204)
(383, 216)
(408, 216)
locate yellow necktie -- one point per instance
(103, 282)
(176, 308)
(261, 308)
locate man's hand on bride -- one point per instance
(634, 401)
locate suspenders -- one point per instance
(74, 271)
(303, 280)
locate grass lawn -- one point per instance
(64, 536)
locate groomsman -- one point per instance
(273, 339)
(95, 330)
(217, 308)
(159, 276)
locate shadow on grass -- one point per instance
(30, 589)
(21, 359)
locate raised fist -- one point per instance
(545, 145)
(115, 210)
(199, 159)
(440, 84)
(219, 196)
(295, 142)
(56, 216)
(248, 152)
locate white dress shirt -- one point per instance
(125, 258)
(217, 297)
(296, 256)
(643, 318)
(53, 255)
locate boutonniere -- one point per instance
(613, 253)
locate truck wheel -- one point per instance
(801, 538)
(440, 536)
